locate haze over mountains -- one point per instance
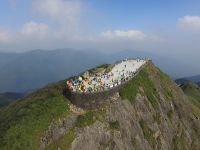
(22, 72)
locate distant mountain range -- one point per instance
(30, 70)
(22, 72)
(195, 79)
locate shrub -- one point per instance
(114, 125)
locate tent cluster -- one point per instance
(120, 73)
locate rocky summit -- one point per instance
(149, 112)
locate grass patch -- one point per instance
(101, 68)
(193, 91)
(148, 133)
(168, 94)
(23, 123)
(163, 75)
(130, 90)
(157, 118)
(64, 142)
(180, 142)
(165, 82)
(86, 119)
(170, 114)
(90, 117)
(114, 125)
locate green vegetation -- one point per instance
(168, 94)
(163, 75)
(148, 133)
(193, 92)
(86, 119)
(157, 118)
(7, 98)
(64, 142)
(101, 68)
(130, 90)
(90, 117)
(180, 142)
(114, 125)
(166, 83)
(82, 120)
(170, 114)
(24, 122)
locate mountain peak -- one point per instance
(149, 112)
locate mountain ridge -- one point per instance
(151, 112)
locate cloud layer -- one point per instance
(120, 34)
(65, 13)
(189, 22)
(33, 28)
(4, 37)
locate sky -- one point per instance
(165, 27)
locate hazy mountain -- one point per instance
(7, 57)
(34, 69)
(149, 112)
(182, 81)
(195, 79)
(21, 72)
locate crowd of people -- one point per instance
(120, 73)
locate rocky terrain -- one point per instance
(150, 112)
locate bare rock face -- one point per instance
(139, 127)
(91, 137)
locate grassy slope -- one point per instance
(193, 92)
(101, 68)
(143, 81)
(22, 123)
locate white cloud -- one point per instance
(65, 13)
(4, 37)
(120, 34)
(189, 22)
(33, 28)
